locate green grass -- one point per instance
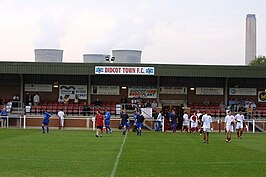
(80, 153)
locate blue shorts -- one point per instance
(107, 122)
(125, 125)
(139, 125)
(45, 122)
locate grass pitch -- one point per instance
(80, 153)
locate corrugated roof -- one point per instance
(160, 69)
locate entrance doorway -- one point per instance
(167, 109)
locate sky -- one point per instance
(166, 31)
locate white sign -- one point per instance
(262, 96)
(146, 112)
(124, 70)
(105, 90)
(38, 87)
(209, 91)
(173, 90)
(71, 91)
(143, 92)
(243, 91)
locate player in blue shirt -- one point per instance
(124, 121)
(45, 122)
(173, 119)
(4, 116)
(135, 121)
(107, 119)
(139, 122)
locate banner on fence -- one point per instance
(243, 91)
(173, 90)
(143, 92)
(209, 91)
(72, 91)
(262, 96)
(38, 87)
(105, 90)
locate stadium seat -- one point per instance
(33, 110)
(75, 110)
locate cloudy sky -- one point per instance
(167, 31)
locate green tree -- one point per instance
(259, 61)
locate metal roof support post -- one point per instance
(226, 91)
(21, 91)
(89, 90)
(158, 91)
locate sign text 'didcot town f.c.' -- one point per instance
(124, 70)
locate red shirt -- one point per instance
(99, 120)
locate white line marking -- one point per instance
(118, 157)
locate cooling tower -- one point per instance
(48, 55)
(94, 58)
(250, 52)
(127, 56)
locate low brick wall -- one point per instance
(86, 122)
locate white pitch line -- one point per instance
(118, 157)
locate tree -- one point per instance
(259, 61)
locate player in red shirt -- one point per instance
(99, 124)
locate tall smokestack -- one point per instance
(250, 53)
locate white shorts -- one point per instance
(230, 128)
(185, 124)
(205, 129)
(194, 124)
(239, 125)
(62, 122)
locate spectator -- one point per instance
(249, 111)
(154, 105)
(36, 99)
(28, 99)
(148, 104)
(253, 105)
(61, 100)
(134, 102)
(66, 99)
(15, 100)
(76, 99)
(206, 102)
(222, 106)
(139, 102)
(86, 109)
(97, 102)
(123, 102)
(16, 97)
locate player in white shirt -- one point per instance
(61, 116)
(194, 123)
(239, 118)
(207, 126)
(229, 124)
(185, 125)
